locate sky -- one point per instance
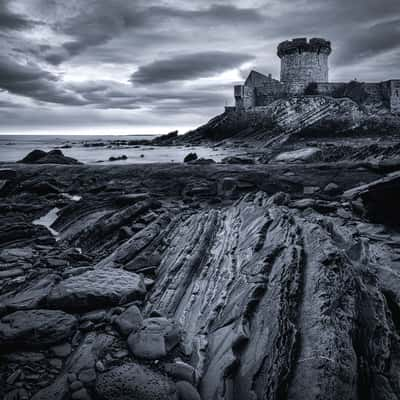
(151, 66)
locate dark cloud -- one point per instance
(99, 23)
(111, 95)
(188, 66)
(13, 21)
(369, 42)
(31, 81)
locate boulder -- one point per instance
(134, 381)
(155, 339)
(33, 156)
(179, 370)
(147, 345)
(52, 157)
(96, 289)
(190, 157)
(169, 329)
(130, 320)
(35, 328)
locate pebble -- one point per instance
(100, 366)
(76, 385)
(56, 363)
(62, 350)
(87, 375)
(72, 377)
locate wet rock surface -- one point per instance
(96, 288)
(35, 328)
(220, 281)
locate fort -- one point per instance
(305, 72)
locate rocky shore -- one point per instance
(200, 281)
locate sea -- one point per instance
(82, 148)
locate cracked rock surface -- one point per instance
(173, 284)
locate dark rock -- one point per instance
(155, 339)
(76, 385)
(167, 139)
(8, 174)
(14, 377)
(62, 350)
(95, 289)
(33, 156)
(133, 198)
(147, 345)
(181, 371)
(190, 157)
(187, 391)
(56, 363)
(134, 381)
(87, 375)
(32, 296)
(202, 161)
(123, 157)
(129, 321)
(380, 198)
(52, 157)
(81, 394)
(41, 188)
(35, 328)
(17, 394)
(6, 187)
(332, 189)
(94, 316)
(237, 160)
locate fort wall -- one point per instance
(304, 62)
(395, 96)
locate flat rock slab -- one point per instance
(35, 328)
(134, 381)
(29, 298)
(97, 288)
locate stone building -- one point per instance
(305, 71)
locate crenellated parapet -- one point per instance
(301, 45)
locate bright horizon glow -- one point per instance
(102, 131)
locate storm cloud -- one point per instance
(188, 66)
(169, 63)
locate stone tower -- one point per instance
(303, 62)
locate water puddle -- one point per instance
(72, 197)
(48, 220)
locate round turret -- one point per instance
(303, 62)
